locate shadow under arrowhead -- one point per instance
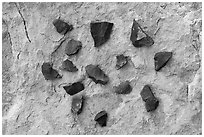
(68, 66)
(61, 26)
(151, 102)
(161, 59)
(121, 61)
(96, 74)
(123, 88)
(73, 47)
(74, 88)
(49, 73)
(77, 104)
(145, 41)
(101, 118)
(101, 32)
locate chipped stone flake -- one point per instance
(68, 65)
(77, 104)
(74, 88)
(49, 73)
(61, 26)
(73, 47)
(123, 88)
(101, 118)
(161, 59)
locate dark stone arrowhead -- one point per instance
(145, 41)
(74, 88)
(146, 93)
(123, 88)
(73, 47)
(151, 104)
(121, 61)
(48, 72)
(61, 26)
(161, 59)
(96, 74)
(100, 32)
(101, 118)
(68, 66)
(77, 104)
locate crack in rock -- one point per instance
(24, 22)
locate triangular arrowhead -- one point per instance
(161, 59)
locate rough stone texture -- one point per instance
(32, 105)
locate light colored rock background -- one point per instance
(30, 104)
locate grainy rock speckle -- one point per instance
(33, 105)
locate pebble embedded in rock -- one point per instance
(68, 66)
(121, 61)
(77, 104)
(145, 41)
(101, 118)
(146, 93)
(73, 47)
(123, 88)
(96, 74)
(161, 59)
(101, 32)
(61, 26)
(74, 88)
(151, 104)
(49, 73)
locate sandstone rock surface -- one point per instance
(33, 105)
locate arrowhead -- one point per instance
(123, 88)
(145, 41)
(69, 66)
(101, 32)
(121, 61)
(96, 74)
(161, 59)
(74, 88)
(73, 47)
(77, 104)
(48, 72)
(61, 26)
(101, 118)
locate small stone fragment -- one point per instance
(49, 73)
(146, 93)
(77, 104)
(101, 118)
(61, 26)
(68, 66)
(101, 32)
(151, 104)
(161, 59)
(145, 41)
(96, 74)
(123, 88)
(73, 47)
(121, 61)
(74, 88)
